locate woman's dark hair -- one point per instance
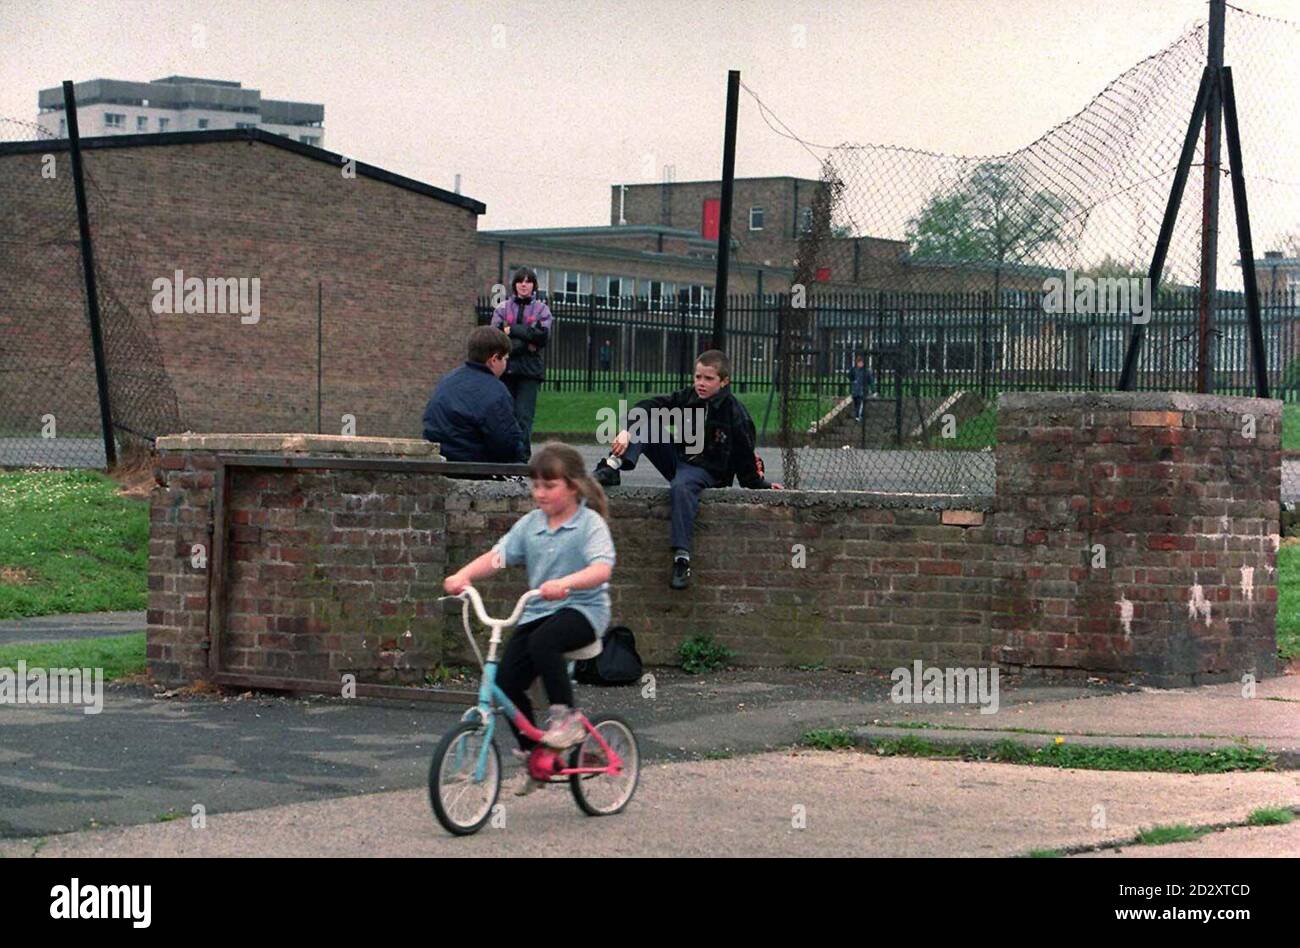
(555, 461)
(523, 273)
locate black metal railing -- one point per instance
(943, 342)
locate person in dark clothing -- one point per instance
(470, 413)
(723, 453)
(527, 321)
(861, 385)
(606, 357)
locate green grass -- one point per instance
(1161, 835)
(1270, 816)
(578, 411)
(118, 655)
(1288, 601)
(1079, 757)
(1045, 854)
(827, 739)
(69, 543)
(1291, 427)
(700, 654)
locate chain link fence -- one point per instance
(959, 277)
(49, 400)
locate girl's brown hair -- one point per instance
(555, 461)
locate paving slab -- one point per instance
(805, 803)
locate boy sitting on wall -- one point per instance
(725, 451)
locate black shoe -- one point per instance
(605, 475)
(681, 573)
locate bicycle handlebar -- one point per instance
(473, 596)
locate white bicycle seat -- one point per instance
(587, 651)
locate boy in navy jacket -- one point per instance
(471, 414)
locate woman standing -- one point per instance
(527, 321)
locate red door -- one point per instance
(712, 217)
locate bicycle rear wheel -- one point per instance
(605, 794)
(461, 802)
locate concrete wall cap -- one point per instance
(1135, 401)
(301, 444)
(768, 498)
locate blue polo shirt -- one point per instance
(574, 545)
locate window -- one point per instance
(308, 139)
(163, 123)
(615, 292)
(659, 295)
(755, 218)
(203, 123)
(114, 120)
(142, 123)
(699, 298)
(805, 219)
(571, 286)
(245, 125)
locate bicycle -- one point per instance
(465, 774)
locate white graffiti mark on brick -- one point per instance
(1126, 615)
(1197, 602)
(1248, 583)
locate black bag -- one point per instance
(617, 664)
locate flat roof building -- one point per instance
(178, 104)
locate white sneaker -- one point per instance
(564, 729)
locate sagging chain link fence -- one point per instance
(959, 277)
(49, 402)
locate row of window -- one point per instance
(619, 292)
(118, 120)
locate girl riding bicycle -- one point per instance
(569, 553)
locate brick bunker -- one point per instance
(1131, 534)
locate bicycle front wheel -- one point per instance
(606, 794)
(463, 798)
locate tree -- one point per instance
(992, 217)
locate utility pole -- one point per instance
(724, 225)
(1210, 203)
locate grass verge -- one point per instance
(1178, 833)
(119, 655)
(1064, 755)
(70, 543)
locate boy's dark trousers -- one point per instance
(857, 406)
(537, 648)
(685, 484)
(524, 392)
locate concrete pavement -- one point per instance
(87, 625)
(801, 803)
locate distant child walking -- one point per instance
(861, 384)
(567, 548)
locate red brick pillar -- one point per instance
(1144, 534)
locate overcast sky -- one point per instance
(542, 106)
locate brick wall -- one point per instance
(775, 245)
(397, 269)
(1182, 504)
(329, 570)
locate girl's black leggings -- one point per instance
(537, 648)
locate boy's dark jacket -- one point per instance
(472, 416)
(728, 436)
